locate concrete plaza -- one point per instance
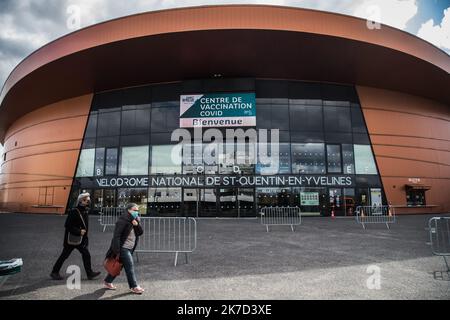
(237, 259)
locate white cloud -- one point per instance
(439, 35)
(395, 13)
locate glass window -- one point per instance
(338, 137)
(158, 121)
(307, 136)
(245, 157)
(192, 158)
(361, 138)
(347, 157)
(364, 161)
(415, 197)
(227, 158)
(91, 129)
(263, 116)
(166, 159)
(135, 195)
(275, 197)
(166, 92)
(272, 89)
(337, 119)
(272, 116)
(334, 158)
(164, 201)
(306, 118)
(99, 161)
(108, 124)
(108, 142)
(88, 143)
(311, 201)
(111, 161)
(86, 163)
(172, 118)
(211, 153)
(134, 161)
(136, 121)
(134, 140)
(279, 114)
(282, 161)
(358, 124)
(308, 158)
(299, 90)
(165, 119)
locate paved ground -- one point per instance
(237, 259)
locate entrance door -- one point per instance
(246, 202)
(208, 203)
(228, 205)
(336, 202)
(191, 202)
(219, 202)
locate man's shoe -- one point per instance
(56, 276)
(93, 275)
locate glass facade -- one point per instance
(322, 135)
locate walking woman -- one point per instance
(125, 240)
(77, 224)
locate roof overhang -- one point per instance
(235, 41)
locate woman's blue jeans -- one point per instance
(127, 259)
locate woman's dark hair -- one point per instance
(131, 205)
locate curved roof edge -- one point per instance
(427, 51)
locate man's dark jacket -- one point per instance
(74, 224)
(121, 233)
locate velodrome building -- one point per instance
(361, 116)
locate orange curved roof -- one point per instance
(234, 40)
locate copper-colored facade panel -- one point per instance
(434, 157)
(38, 171)
(411, 142)
(404, 124)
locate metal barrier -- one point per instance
(439, 229)
(375, 214)
(281, 216)
(168, 234)
(109, 216)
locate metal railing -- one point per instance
(375, 214)
(281, 216)
(108, 216)
(168, 234)
(439, 231)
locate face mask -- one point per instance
(134, 214)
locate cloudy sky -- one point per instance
(26, 25)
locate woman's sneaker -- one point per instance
(137, 290)
(109, 286)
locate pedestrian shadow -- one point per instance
(96, 295)
(118, 296)
(27, 289)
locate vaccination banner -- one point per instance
(218, 110)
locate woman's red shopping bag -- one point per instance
(113, 266)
